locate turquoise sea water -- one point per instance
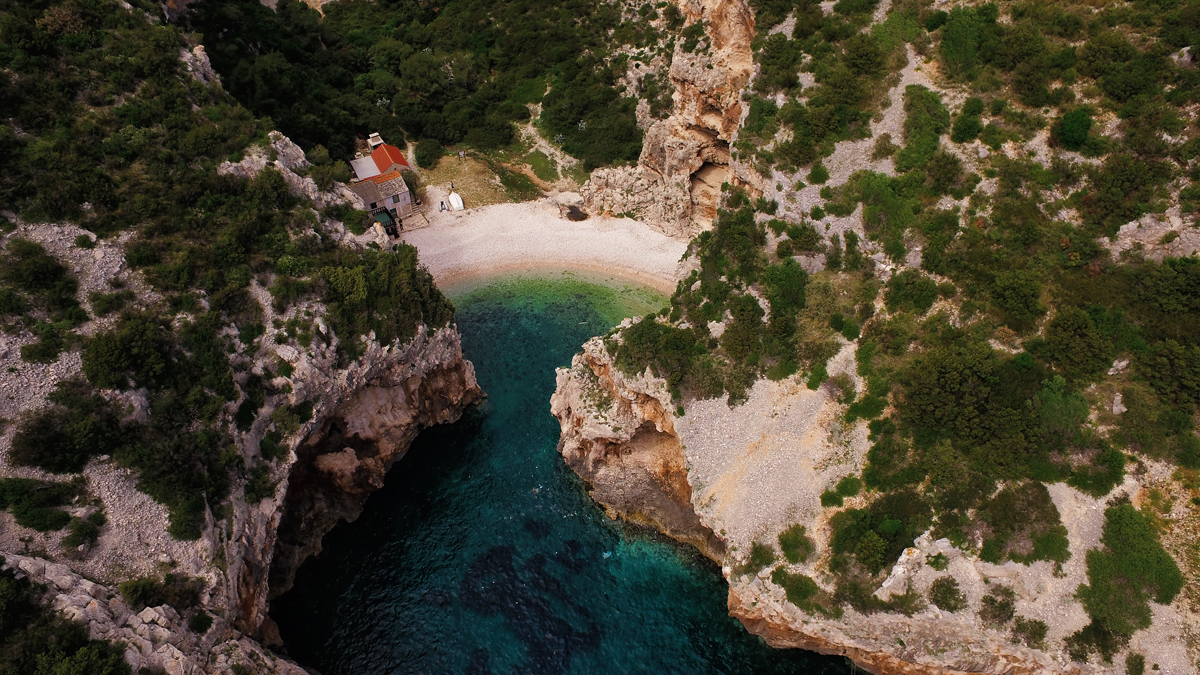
(483, 553)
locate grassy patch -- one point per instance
(543, 167)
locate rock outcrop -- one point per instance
(156, 639)
(686, 157)
(374, 411)
(721, 478)
(364, 416)
(618, 434)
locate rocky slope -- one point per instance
(721, 478)
(686, 157)
(364, 415)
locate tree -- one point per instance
(1072, 130)
(429, 152)
(870, 551)
(1076, 346)
(1018, 295)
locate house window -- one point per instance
(373, 204)
(396, 199)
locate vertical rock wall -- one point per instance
(618, 434)
(365, 417)
(686, 157)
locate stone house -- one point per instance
(382, 160)
(386, 192)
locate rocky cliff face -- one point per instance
(365, 418)
(618, 434)
(686, 157)
(721, 478)
(365, 414)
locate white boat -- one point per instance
(456, 202)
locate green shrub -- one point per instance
(802, 592)
(200, 622)
(139, 351)
(1075, 344)
(1135, 664)
(1071, 131)
(182, 593)
(819, 174)
(78, 425)
(831, 499)
(84, 531)
(29, 268)
(37, 504)
(259, 485)
(1025, 525)
(968, 123)
(1030, 632)
(938, 562)
(1018, 296)
(1129, 572)
(998, 607)
(104, 304)
(966, 32)
(784, 249)
(871, 552)
(761, 556)
(910, 290)
(926, 119)
(945, 594)
(796, 544)
(849, 486)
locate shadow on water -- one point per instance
(482, 553)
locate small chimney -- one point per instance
(374, 141)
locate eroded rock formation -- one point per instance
(365, 417)
(720, 478)
(618, 434)
(345, 457)
(686, 157)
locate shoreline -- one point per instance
(462, 247)
(460, 283)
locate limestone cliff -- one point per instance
(365, 417)
(722, 477)
(686, 157)
(365, 413)
(618, 435)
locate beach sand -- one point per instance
(458, 246)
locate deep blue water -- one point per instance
(483, 553)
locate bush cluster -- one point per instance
(432, 74)
(36, 639)
(1129, 572)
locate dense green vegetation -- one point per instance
(141, 149)
(992, 392)
(1124, 577)
(459, 72)
(848, 66)
(179, 592)
(35, 640)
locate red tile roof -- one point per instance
(392, 175)
(387, 155)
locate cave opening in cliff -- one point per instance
(706, 192)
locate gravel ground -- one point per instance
(758, 467)
(460, 245)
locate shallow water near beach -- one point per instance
(483, 553)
